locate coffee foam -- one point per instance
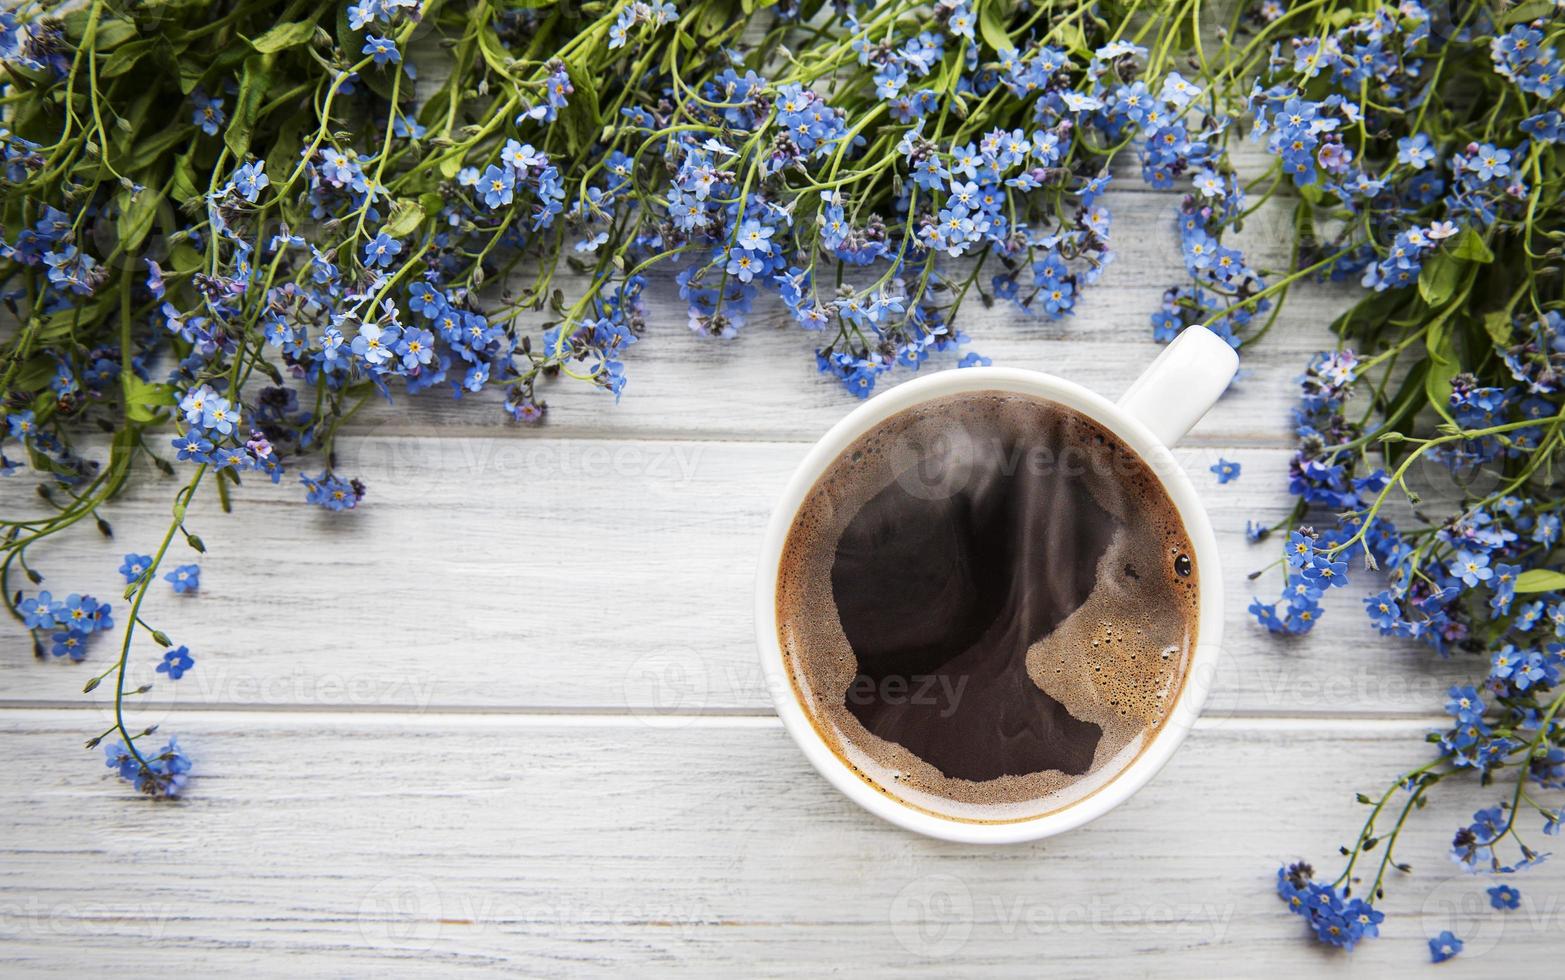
(1110, 662)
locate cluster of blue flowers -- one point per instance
(34, 46)
(1477, 583)
(964, 194)
(1485, 737)
(1416, 208)
(213, 435)
(1524, 56)
(1325, 95)
(165, 774)
(1336, 919)
(65, 465)
(1324, 481)
(1342, 920)
(69, 269)
(1379, 60)
(366, 13)
(378, 314)
(71, 623)
(1311, 571)
(1457, 586)
(652, 13)
(68, 624)
(1223, 288)
(749, 236)
(378, 307)
(332, 492)
(1475, 560)
(1473, 847)
(1223, 285)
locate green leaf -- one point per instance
(184, 187)
(1443, 366)
(190, 73)
(1540, 580)
(290, 133)
(170, 6)
(1073, 37)
(1437, 386)
(61, 323)
(112, 33)
(285, 36)
(36, 373)
(184, 260)
(137, 213)
(991, 29)
(1408, 399)
(495, 55)
(1437, 282)
(125, 57)
(1471, 246)
(406, 216)
(150, 149)
(141, 395)
(1527, 11)
(1497, 324)
(1368, 318)
(253, 84)
(580, 115)
(1403, 409)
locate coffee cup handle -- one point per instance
(1181, 384)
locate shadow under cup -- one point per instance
(987, 604)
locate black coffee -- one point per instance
(988, 604)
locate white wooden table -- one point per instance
(508, 715)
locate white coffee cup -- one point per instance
(1171, 395)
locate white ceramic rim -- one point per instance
(1209, 620)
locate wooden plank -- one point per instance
(396, 844)
(604, 574)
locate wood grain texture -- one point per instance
(607, 574)
(406, 844)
